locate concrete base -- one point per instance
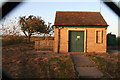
(84, 67)
(88, 72)
(82, 60)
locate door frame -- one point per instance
(85, 45)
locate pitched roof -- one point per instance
(79, 18)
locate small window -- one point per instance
(99, 36)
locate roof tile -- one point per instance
(79, 18)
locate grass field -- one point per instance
(22, 61)
(107, 63)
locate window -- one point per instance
(99, 36)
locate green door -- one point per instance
(76, 41)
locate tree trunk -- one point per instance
(44, 36)
(29, 38)
(26, 36)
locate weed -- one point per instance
(105, 66)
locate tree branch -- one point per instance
(25, 33)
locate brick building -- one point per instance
(79, 32)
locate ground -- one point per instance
(108, 63)
(22, 61)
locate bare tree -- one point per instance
(9, 28)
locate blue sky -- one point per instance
(47, 11)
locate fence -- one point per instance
(44, 45)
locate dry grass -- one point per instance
(108, 64)
(21, 61)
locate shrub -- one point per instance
(10, 40)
